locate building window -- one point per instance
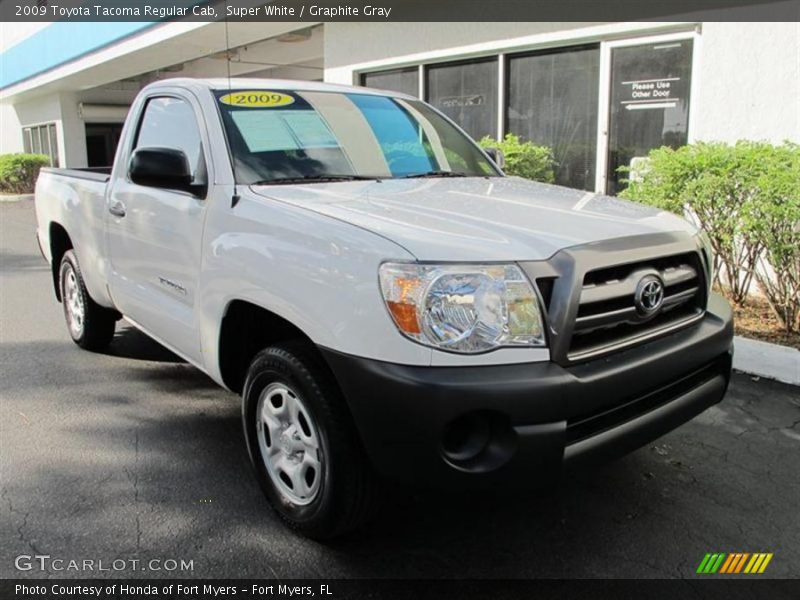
(42, 139)
(552, 101)
(467, 93)
(404, 81)
(552, 97)
(650, 86)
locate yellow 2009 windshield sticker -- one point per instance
(257, 99)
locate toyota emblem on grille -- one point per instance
(649, 295)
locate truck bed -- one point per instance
(74, 201)
(101, 174)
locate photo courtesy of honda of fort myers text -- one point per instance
(311, 300)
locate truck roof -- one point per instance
(223, 83)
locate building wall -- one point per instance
(39, 111)
(13, 33)
(746, 79)
(73, 131)
(48, 69)
(10, 129)
(748, 85)
(351, 43)
(61, 109)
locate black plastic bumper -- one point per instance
(456, 427)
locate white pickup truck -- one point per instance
(388, 303)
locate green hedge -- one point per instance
(524, 159)
(747, 199)
(18, 172)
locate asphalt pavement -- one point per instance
(132, 455)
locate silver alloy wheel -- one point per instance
(289, 443)
(73, 300)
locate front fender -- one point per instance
(318, 273)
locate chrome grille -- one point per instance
(608, 317)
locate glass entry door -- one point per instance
(649, 103)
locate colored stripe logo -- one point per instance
(734, 563)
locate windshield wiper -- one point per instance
(313, 178)
(435, 174)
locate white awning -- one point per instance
(103, 113)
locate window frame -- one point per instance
(604, 104)
(229, 145)
(132, 142)
(548, 51)
(40, 130)
(607, 36)
(510, 56)
(496, 58)
(408, 69)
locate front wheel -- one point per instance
(303, 444)
(90, 325)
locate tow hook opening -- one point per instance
(479, 441)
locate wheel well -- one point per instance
(246, 330)
(59, 244)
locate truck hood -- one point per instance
(475, 218)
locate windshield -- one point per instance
(288, 136)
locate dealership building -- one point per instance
(598, 94)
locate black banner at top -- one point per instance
(398, 10)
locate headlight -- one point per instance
(463, 308)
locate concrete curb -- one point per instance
(15, 197)
(766, 360)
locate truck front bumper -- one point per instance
(458, 427)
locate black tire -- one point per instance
(346, 496)
(97, 325)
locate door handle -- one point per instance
(117, 209)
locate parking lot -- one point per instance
(133, 454)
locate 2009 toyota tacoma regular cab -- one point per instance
(387, 302)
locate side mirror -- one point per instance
(497, 156)
(166, 168)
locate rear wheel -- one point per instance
(90, 325)
(303, 444)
